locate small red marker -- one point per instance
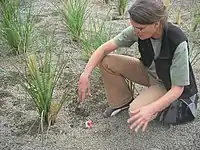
(88, 124)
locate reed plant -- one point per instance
(194, 36)
(42, 74)
(16, 26)
(122, 6)
(196, 21)
(74, 13)
(97, 33)
(178, 17)
(167, 4)
(131, 87)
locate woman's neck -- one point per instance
(158, 33)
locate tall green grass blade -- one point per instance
(122, 6)
(74, 13)
(167, 4)
(94, 36)
(16, 26)
(42, 73)
(196, 20)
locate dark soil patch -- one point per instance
(31, 127)
(7, 80)
(4, 94)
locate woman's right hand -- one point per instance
(83, 86)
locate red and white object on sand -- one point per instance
(88, 124)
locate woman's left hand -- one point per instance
(141, 117)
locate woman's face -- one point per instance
(144, 31)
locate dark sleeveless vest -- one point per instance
(172, 37)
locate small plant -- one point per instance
(122, 6)
(74, 12)
(196, 20)
(194, 37)
(16, 27)
(167, 4)
(96, 34)
(42, 73)
(131, 87)
(178, 17)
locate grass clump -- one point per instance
(167, 4)
(16, 26)
(178, 17)
(195, 37)
(97, 33)
(42, 74)
(42, 80)
(122, 6)
(196, 19)
(74, 12)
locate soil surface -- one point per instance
(19, 123)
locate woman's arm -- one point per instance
(173, 94)
(179, 73)
(142, 116)
(98, 55)
(124, 39)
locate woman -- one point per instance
(164, 68)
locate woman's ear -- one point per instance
(157, 24)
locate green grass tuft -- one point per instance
(41, 76)
(97, 33)
(16, 26)
(74, 12)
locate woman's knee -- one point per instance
(134, 106)
(106, 60)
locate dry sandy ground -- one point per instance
(17, 113)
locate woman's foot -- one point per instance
(110, 111)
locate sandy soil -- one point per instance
(19, 124)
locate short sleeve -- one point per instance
(126, 38)
(179, 70)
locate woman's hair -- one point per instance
(148, 11)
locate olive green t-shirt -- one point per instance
(179, 70)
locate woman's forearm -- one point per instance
(173, 94)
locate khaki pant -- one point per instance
(115, 69)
